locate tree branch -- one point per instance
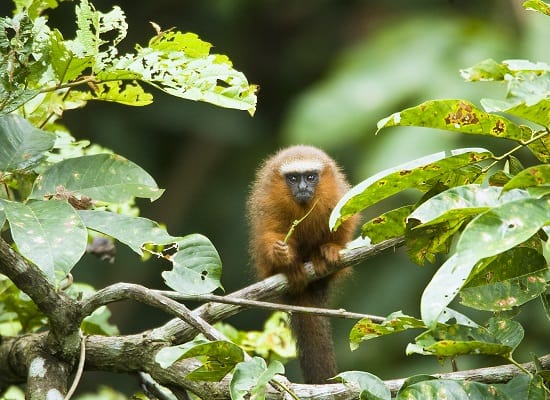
(135, 353)
(270, 288)
(247, 303)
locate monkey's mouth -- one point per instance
(303, 196)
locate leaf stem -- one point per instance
(497, 159)
(297, 222)
(285, 388)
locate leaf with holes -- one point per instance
(490, 233)
(134, 232)
(197, 267)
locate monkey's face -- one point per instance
(302, 185)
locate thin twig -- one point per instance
(325, 312)
(298, 222)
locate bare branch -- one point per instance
(267, 289)
(121, 291)
(247, 303)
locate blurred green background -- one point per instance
(328, 70)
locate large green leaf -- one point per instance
(197, 266)
(500, 337)
(396, 322)
(462, 202)
(458, 116)
(218, 358)
(533, 176)
(503, 227)
(22, 145)
(421, 174)
(134, 232)
(451, 390)
(387, 225)
(371, 387)
(102, 177)
(48, 233)
(490, 233)
(251, 377)
(510, 280)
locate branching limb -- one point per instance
(58, 307)
(267, 289)
(122, 291)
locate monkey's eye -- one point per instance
(292, 179)
(312, 178)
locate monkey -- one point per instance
(293, 182)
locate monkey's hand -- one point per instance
(294, 271)
(282, 253)
(331, 252)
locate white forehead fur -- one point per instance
(301, 166)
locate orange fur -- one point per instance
(272, 210)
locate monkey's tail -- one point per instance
(314, 335)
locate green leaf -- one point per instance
(102, 177)
(22, 146)
(533, 176)
(180, 64)
(421, 174)
(443, 288)
(396, 322)
(451, 390)
(503, 227)
(541, 148)
(97, 34)
(218, 358)
(387, 225)
(537, 5)
(455, 115)
(461, 202)
(66, 65)
(513, 278)
(500, 337)
(134, 232)
(251, 377)
(371, 387)
(197, 267)
(487, 235)
(98, 323)
(123, 92)
(48, 233)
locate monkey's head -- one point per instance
(302, 178)
(308, 173)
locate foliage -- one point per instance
(57, 194)
(488, 211)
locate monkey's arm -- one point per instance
(277, 256)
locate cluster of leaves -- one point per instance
(56, 194)
(491, 213)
